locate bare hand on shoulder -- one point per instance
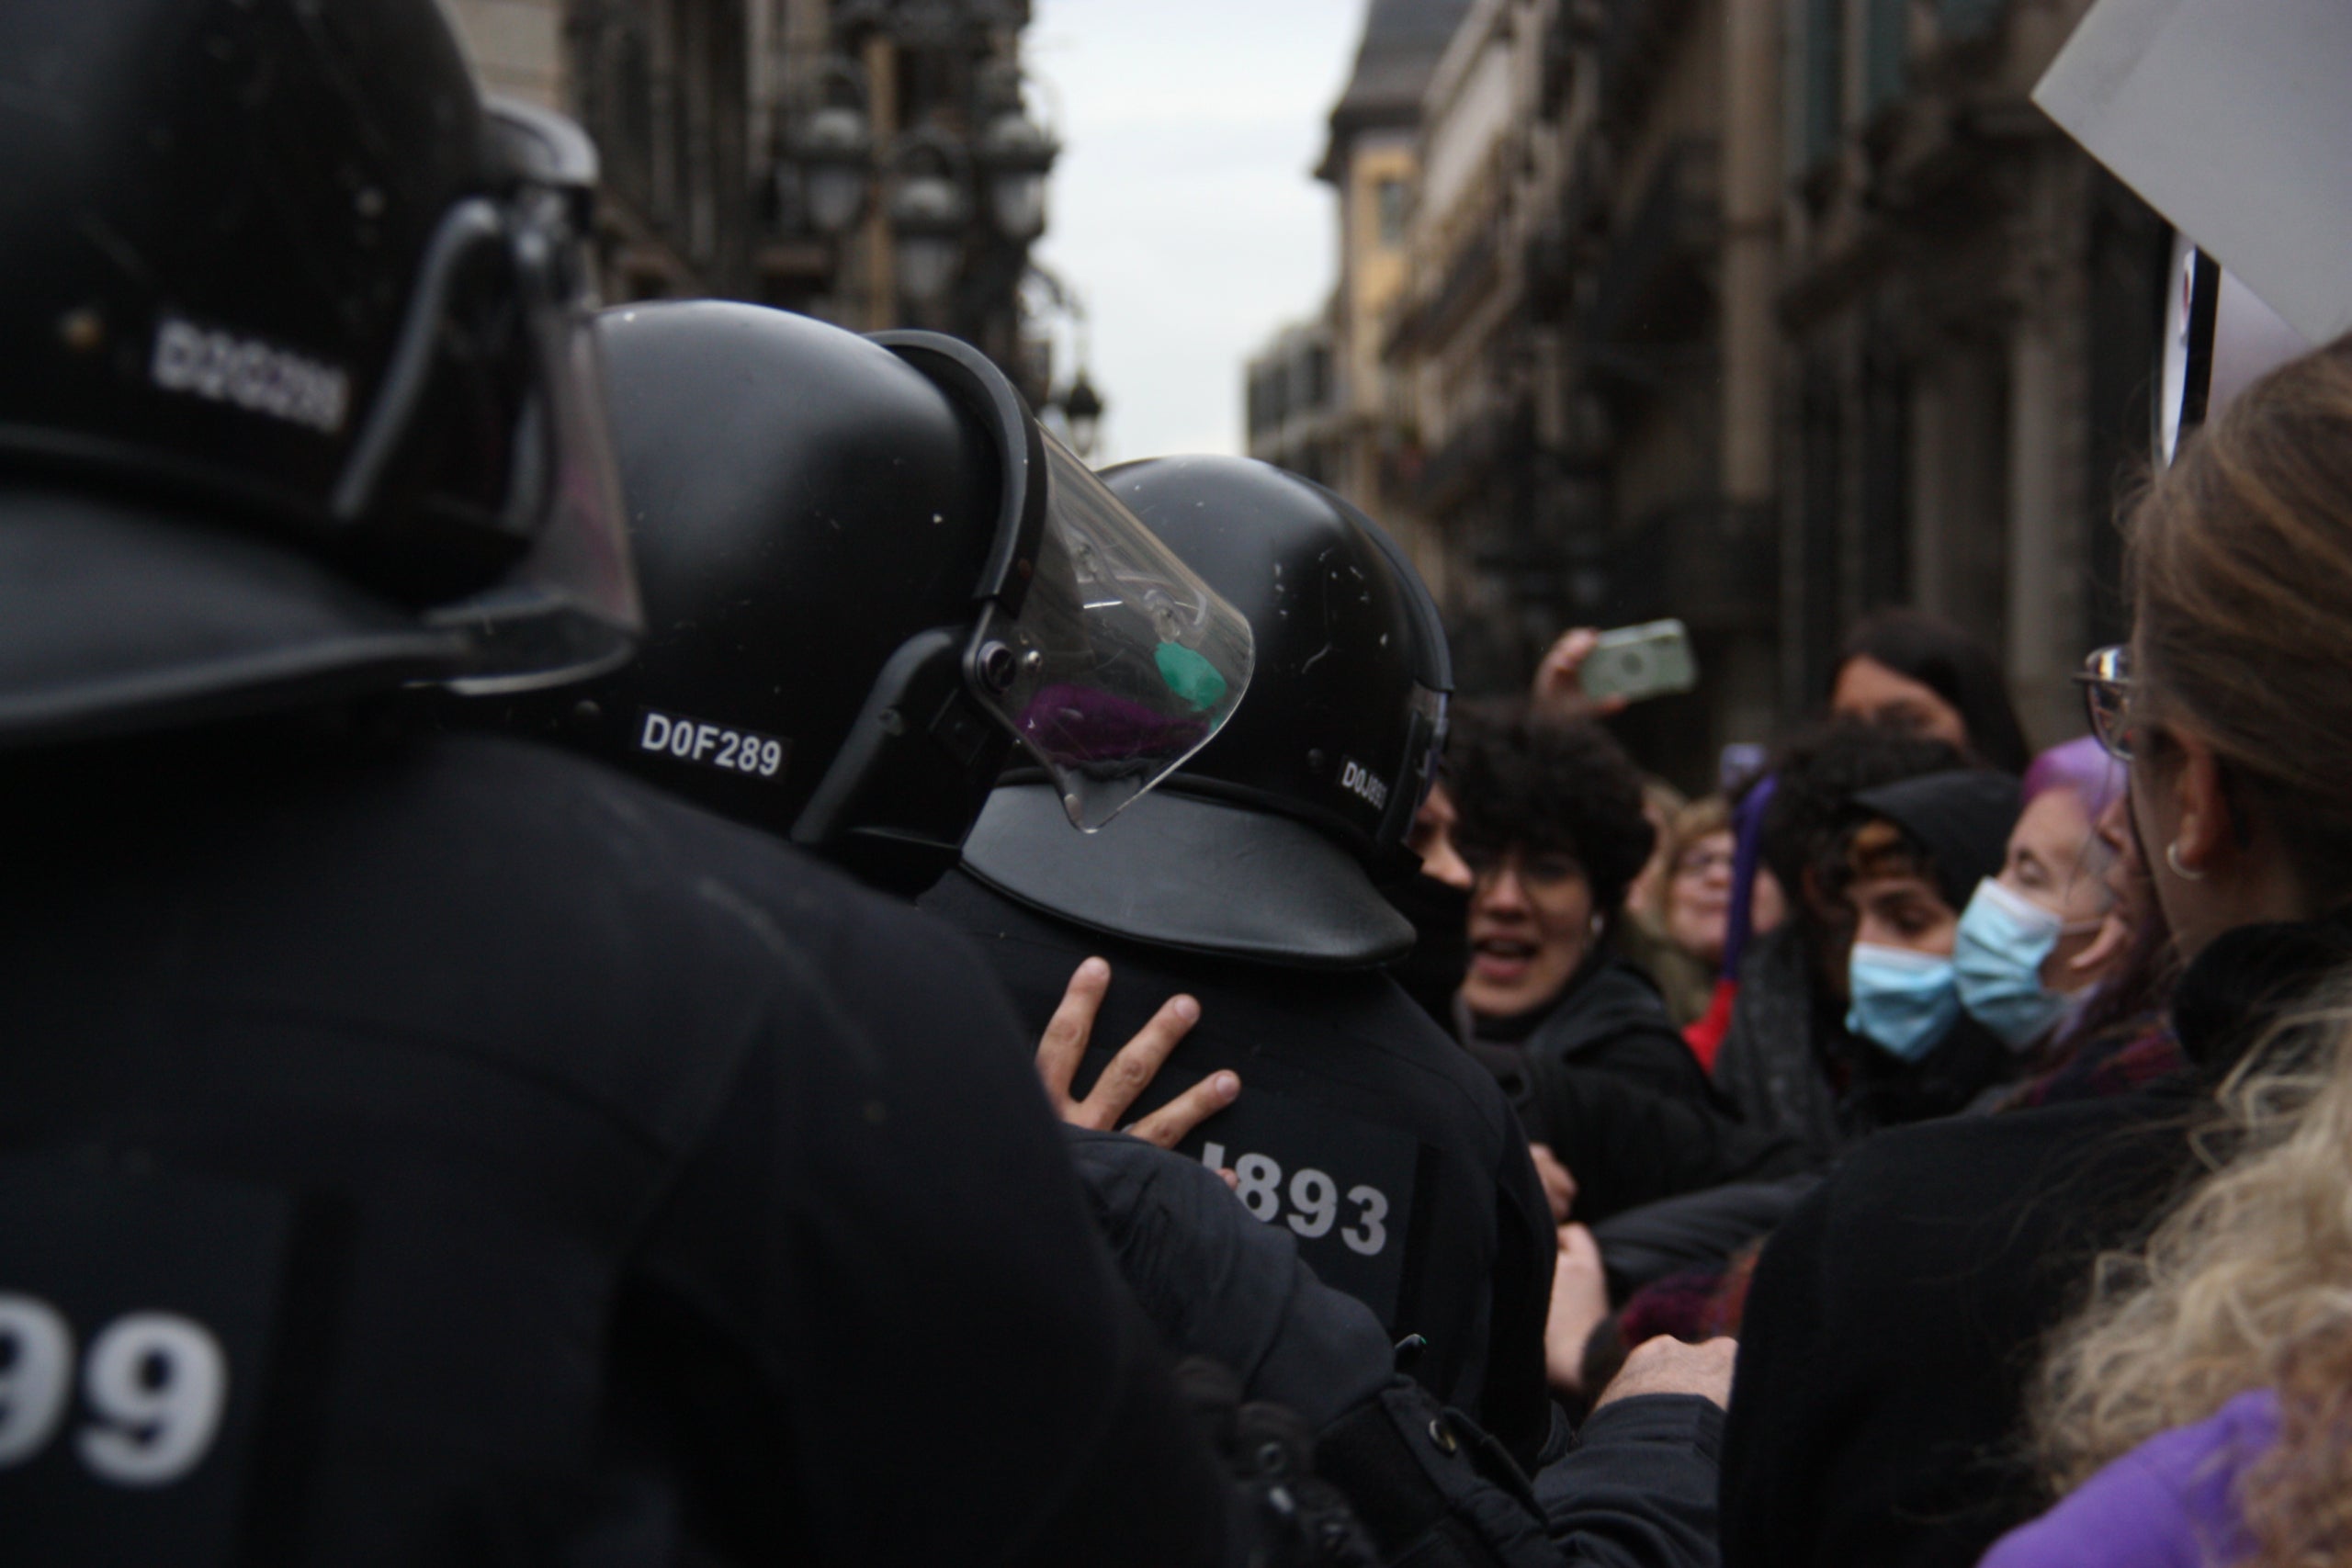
(1130, 1072)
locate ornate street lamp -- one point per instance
(1014, 154)
(834, 149)
(1083, 413)
(929, 213)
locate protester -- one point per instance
(1910, 858)
(1677, 915)
(1915, 671)
(1785, 1054)
(2119, 1036)
(1553, 831)
(2019, 949)
(1880, 1396)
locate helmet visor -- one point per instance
(1120, 663)
(569, 609)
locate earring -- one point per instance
(2172, 859)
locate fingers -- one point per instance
(1232, 1177)
(1068, 1030)
(1168, 1125)
(1559, 679)
(1559, 1186)
(1579, 1305)
(1138, 1062)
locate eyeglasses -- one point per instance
(1703, 862)
(1540, 870)
(2106, 680)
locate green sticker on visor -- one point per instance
(1190, 676)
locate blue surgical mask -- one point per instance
(2004, 940)
(1904, 1001)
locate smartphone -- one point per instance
(1634, 663)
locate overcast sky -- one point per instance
(1184, 209)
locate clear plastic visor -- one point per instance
(1121, 663)
(569, 609)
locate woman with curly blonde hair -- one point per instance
(2199, 1408)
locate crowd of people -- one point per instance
(2012, 1141)
(668, 935)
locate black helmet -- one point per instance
(1268, 844)
(867, 570)
(300, 400)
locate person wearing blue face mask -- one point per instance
(2024, 956)
(1911, 854)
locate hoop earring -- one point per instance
(2172, 859)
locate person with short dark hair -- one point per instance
(1553, 831)
(1788, 1017)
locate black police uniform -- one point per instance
(420, 1153)
(1360, 1128)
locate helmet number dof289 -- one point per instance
(714, 745)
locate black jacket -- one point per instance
(547, 1162)
(1896, 1316)
(1635, 1489)
(1360, 1128)
(1610, 1019)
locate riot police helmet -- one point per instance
(1270, 845)
(869, 574)
(301, 400)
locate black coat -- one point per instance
(1896, 1316)
(1610, 1019)
(1635, 1488)
(1362, 1129)
(549, 1162)
(1607, 1083)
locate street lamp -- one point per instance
(835, 148)
(929, 213)
(1013, 153)
(1083, 413)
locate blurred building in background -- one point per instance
(1761, 313)
(873, 162)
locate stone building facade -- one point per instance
(701, 111)
(1762, 313)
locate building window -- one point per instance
(1887, 56)
(1816, 61)
(1391, 197)
(1968, 18)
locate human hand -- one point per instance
(1559, 1187)
(1579, 1305)
(1667, 1365)
(1131, 1071)
(1558, 691)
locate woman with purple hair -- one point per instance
(2019, 956)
